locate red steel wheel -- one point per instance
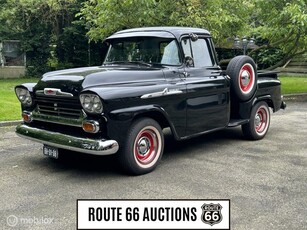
(259, 122)
(261, 119)
(143, 147)
(146, 146)
(246, 78)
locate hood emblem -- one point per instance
(53, 92)
(49, 91)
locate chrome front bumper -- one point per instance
(59, 140)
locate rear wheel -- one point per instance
(259, 122)
(143, 147)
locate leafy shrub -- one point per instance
(267, 57)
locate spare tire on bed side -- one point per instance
(243, 76)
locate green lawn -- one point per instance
(10, 106)
(291, 84)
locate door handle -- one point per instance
(185, 74)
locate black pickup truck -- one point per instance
(151, 78)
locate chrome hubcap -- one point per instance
(147, 147)
(245, 78)
(257, 120)
(143, 145)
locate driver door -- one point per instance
(207, 89)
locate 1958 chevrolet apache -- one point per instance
(151, 78)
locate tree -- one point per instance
(284, 25)
(42, 25)
(61, 26)
(277, 23)
(104, 17)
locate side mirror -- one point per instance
(193, 37)
(189, 62)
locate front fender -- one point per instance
(120, 120)
(131, 112)
(28, 86)
(124, 104)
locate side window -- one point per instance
(201, 55)
(198, 50)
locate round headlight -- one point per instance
(24, 96)
(97, 103)
(87, 103)
(91, 103)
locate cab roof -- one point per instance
(168, 32)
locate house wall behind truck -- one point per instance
(12, 71)
(12, 59)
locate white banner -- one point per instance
(153, 214)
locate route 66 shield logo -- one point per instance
(211, 213)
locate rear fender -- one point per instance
(245, 108)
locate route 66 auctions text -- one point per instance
(153, 214)
(146, 214)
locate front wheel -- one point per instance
(259, 122)
(143, 147)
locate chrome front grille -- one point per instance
(62, 107)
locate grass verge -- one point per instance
(293, 84)
(10, 106)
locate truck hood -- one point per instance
(78, 79)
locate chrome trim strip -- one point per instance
(165, 92)
(57, 120)
(53, 92)
(59, 140)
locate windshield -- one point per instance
(150, 50)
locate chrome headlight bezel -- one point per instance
(91, 103)
(24, 96)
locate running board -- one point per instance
(237, 122)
